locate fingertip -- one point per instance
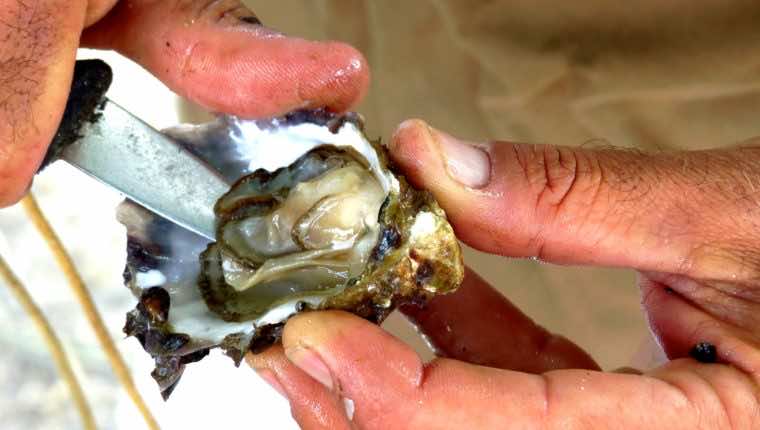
(342, 350)
(312, 329)
(440, 162)
(313, 341)
(253, 76)
(17, 171)
(266, 359)
(408, 136)
(14, 191)
(346, 82)
(232, 66)
(419, 152)
(413, 149)
(312, 404)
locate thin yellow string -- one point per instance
(85, 301)
(52, 342)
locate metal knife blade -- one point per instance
(148, 167)
(120, 150)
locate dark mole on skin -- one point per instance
(704, 352)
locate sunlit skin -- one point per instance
(686, 221)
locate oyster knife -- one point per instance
(117, 148)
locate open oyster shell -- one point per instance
(314, 219)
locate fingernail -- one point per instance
(310, 362)
(465, 162)
(269, 377)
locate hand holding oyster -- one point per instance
(315, 219)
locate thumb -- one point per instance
(38, 42)
(329, 346)
(384, 384)
(678, 212)
(387, 384)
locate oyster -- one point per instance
(314, 219)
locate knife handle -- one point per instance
(88, 88)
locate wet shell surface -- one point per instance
(314, 219)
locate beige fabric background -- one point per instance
(647, 74)
(654, 74)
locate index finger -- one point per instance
(218, 54)
(478, 325)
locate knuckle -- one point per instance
(732, 397)
(11, 196)
(545, 172)
(562, 178)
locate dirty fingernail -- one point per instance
(269, 377)
(250, 19)
(465, 162)
(310, 362)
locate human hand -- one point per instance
(688, 222)
(213, 52)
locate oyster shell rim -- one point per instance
(379, 289)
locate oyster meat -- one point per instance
(314, 219)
